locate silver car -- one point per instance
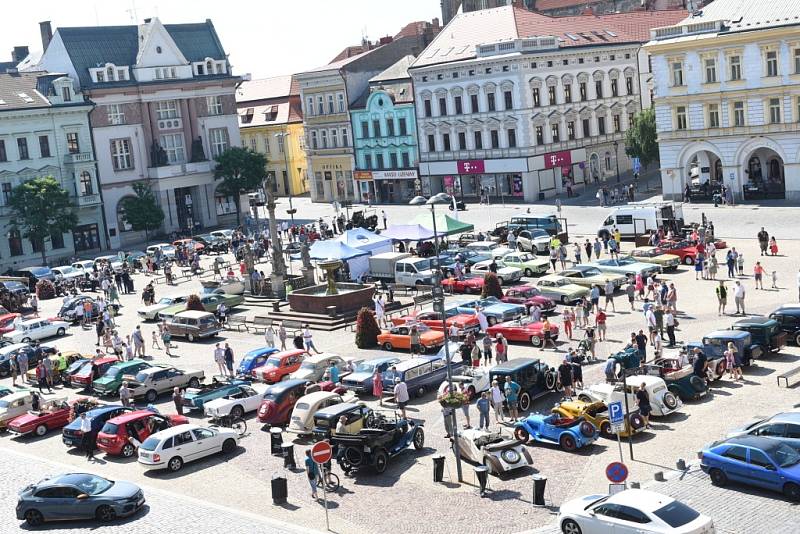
(781, 426)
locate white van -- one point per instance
(640, 219)
(413, 271)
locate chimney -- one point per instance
(435, 22)
(19, 53)
(47, 34)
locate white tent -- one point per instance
(366, 241)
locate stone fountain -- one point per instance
(332, 298)
(329, 266)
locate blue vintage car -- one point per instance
(422, 373)
(360, 380)
(570, 433)
(496, 311)
(254, 358)
(195, 398)
(715, 344)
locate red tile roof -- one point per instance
(544, 5)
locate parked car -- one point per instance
(190, 245)
(194, 398)
(72, 309)
(493, 450)
(149, 383)
(77, 361)
(139, 424)
(496, 311)
(110, 382)
(754, 461)
(765, 332)
(212, 244)
(230, 285)
(535, 378)
(714, 345)
(210, 304)
(528, 263)
(72, 436)
(15, 349)
(529, 296)
(465, 322)
(627, 266)
(589, 275)
(474, 379)
(167, 250)
(597, 414)
(171, 448)
(360, 380)
(486, 248)
(788, 317)
(13, 405)
(326, 419)
(505, 275)
(52, 414)
(314, 367)
(681, 381)
(279, 366)
(223, 234)
(560, 289)
(85, 374)
(113, 261)
(784, 427)
(627, 358)
(252, 359)
(685, 250)
(631, 510)
(421, 374)
(399, 337)
(244, 399)
(36, 329)
(17, 288)
(536, 240)
(302, 418)
(278, 401)
(193, 325)
(152, 312)
(66, 273)
(85, 267)
(661, 400)
(525, 330)
(89, 497)
(33, 274)
(471, 283)
(472, 237)
(7, 322)
(469, 257)
(569, 433)
(667, 261)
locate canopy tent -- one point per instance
(357, 260)
(407, 232)
(367, 241)
(445, 225)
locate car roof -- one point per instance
(8, 349)
(317, 358)
(757, 319)
(317, 396)
(414, 362)
(156, 368)
(17, 395)
(337, 409)
(735, 334)
(644, 500)
(171, 431)
(94, 412)
(794, 306)
(281, 387)
(193, 314)
(104, 359)
(383, 359)
(62, 479)
(127, 417)
(261, 351)
(514, 365)
(757, 442)
(129, 363)
(785, 417)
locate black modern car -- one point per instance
(33, 274)
(788, 317)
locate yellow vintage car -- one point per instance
(668, 262)
(589, 275)
(597, 414)
(71, 357)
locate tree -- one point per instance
(491, 286)
(142, 211)
(641, 140)
(41, 208)
(241, 170)
(367, 329)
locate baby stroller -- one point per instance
(585, 349)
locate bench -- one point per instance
(260, 323)
(293, 327)
(237, 321)
(792, 375)
(421, 299)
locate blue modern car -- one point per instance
(254, 358)
(195, 398)
(755, 461)
(360, 380)
(570, 433)
(72, 436)
(78, 496)
(496, 311)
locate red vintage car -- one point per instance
(139, 424)
(463, 321)
(279, 400)
(53, 414)
(470, 284)
(7, 322)
(523, 330)
(685, 250)
(529, 296)
(90, 371)
(279, 365)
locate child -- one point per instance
(740, 263)
(773, 246)
(155, 344)
(774, 279)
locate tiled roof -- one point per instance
(747, 15)
(266, 88)
(264, 115)
(14, 85)
(398, 71)
(544, 5)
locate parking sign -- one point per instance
(615, 413)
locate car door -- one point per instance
(763, 471)
(629, 520)
(185, 446)
(54, 503)
(602, 519)
(735, 464)
(205, 442)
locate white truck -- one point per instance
(381, 266)
(638, 219)
(414, 271)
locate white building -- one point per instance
(44, 131)
(518, 103)
(727, 98)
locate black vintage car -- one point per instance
(788, 317)
(72, 310)
(213, 244)
(33, 354)
(534, 377)
(765, 331)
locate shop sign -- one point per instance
(557, 159)
(400, 174)
(362, 175)
(470, 166)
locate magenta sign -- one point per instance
(470, 166)
(557, 159)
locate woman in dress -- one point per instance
(643, 402)
(377, 385)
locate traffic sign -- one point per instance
(615, 413)
(321, 452)
(617, 472)
(617, 428)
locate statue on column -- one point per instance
(278, 265)
(307, 269)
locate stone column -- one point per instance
(672, 183)
(735, 180)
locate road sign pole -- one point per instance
(619, 442)
(627, 410)
(325, 497)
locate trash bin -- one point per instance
(276, 440)
(482, 472)
(438, 468)
(287, 450)
(280, 491)
(541, 196)
(539, 483)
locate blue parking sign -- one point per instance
(615, 413)
(637, 165)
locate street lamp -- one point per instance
(616, 157)
(285, 138)
(442, 198)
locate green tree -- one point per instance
(142, 211)
(641, 140)
(41, 208)
(491, 286)
(241, 170)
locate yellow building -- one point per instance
(271, 122)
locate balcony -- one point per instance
(180, 169)
(81, 157)
(88, 200)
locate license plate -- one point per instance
(140, 503)
(69, 442)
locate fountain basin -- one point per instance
(351, 297)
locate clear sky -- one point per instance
(265, 38)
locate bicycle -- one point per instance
(332, 484)
(232, 421)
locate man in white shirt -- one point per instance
(308, 339)
(88, 439)
(401, 395)
(650, 317)
(497, 401)
(219, 357)
(482, 321)
(453, 332)
(738, 297)
(535, 313)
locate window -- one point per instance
(314, 139)
(457, 102)
(616, 119)
(473, 102)
(536, 98)
(631, 119)
(508, 100)
(253, 145)
(427, 104)
(568, 93)
(680, 118)
(367, 161)
(551, 95)
(320, 105)
(6, 193)
(713, 115)
(390, 127)
(587, 131)
(583, 91)
(738, 113)
(167, 109)
(677, 74)
(511, 133)
(478, 141)
(3, 153)
(340, 96)
(331, 108)
(86, 187)
(345, 138)
(392, 160)
(736, 453)
(334, 138)
(310, 105)
(173, 146)
(364, 129)
(462, 141)
(44, 146)
(736, 67)
(797, 60)
(490, 102)
(66, 94)
(214, 105)
(760, 459)
(102, 77)
(121, 154)
(797, 111)
(711, 69)
(380, 162)
(72, 143)
(628, 85)
(614, 87)
(772, 63)
(571, 130)
(555, 132)
(15, 243)
(431, 143)
(116, 114)
(406, 160)
(598, 88)
(774, 110)
(403, 126)
(774, 430)
(376, 128)
(446, 142)
(539, 135)
(443, 106)
(324, 137)
(22, 148)
(494, 136)
(601, 125)
(219, 140)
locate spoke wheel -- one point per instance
(381, 462)
(571, 527)
(419, 439)
(239, 425)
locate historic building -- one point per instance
(385, 137)
(517, 104)
(727, 99)
(44, 131)
(271, 122)
(165, 107)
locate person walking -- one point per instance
(501, 349)
(713, 265)
(565, 377)
(740, 263)
(763, 241)
(600, 319)
(730, 262)
(125, 394)
(669, 320)
(269, 336)
(483, 411)
(138, 342)
(177, 400)
(567, 318)
(308, 340)
(547, 334)
(414, 339)
(465, 406)
(598, 247)
(773, 246)
(738, 297)
(758, 275)
(22, 361)
(672, 298)
(377, 386)
(311, 473)
(594, 295)
(730, 360)
(496, 397)
(643, 403)
(641, 345)
(609, 295)
(282, 335)
(630, 291)
(487, 350)
(41, 378)
(229, 359)
(48, 371)
(511, 392)
(380, 307)
(587, 247)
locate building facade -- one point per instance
(44, 131)
(271, 122)
(727, 100)
(513, 115)
(385, 137)
(165, 107)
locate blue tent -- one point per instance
(334, 249)
(366, 241)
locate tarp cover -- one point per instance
(366, 240)
(333, 249)
(407, 232)
(445, 225)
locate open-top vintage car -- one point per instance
(523, 329)
(52, 414)
(500, 454)
(681, 381)
(571, 433)
(597, 414)
(195, 397)
(472, 283)
(463, 321)
(662, 401)
(475, 380)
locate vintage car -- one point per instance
(230, 285)
(72, 435)
(472, 283)
(685, 250)
(70, 357)
(465, 322)
(523, 329)
(171, 448)
(422, 373)
(681, 381)
(15, 349)
(597, 414)
(279, 366)
(386, 435)
(667, 261)
(505, 274)
(252, 359)
(7, 322)
(72, 310)
(495, 310)
(302, 418)
(475, 380)
(279, 400)
(534, 377)
(13, 405)
(536, 240)
(627, 358)
(662, 401)
(589, 275)
(399, 337)
(151, 313)
(52, 414)
(210, 304)
(110, 382)
(149, 383)
(498, 453)
(360, 380)
(529, 264)
(139, 424)
(714, 345)
(326, 419)
(85, 374)
(212, 244)
(468, 257)
(788, 316)
(314, 367)
(35, 329)
(486, 247)
(571, 433)
(765, 332)
(194, 398)
(529, 296)
(243, 400)
(560, 289)
(627, 266)
(472, 237)
(193, 325)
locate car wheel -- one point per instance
(688, 260)
(34, 518)
(151, 396)
(636, 421)
(792, 491)
(237, 411)
(41, 430)
(175, 464)
(387, 346)
(605, 428)
(419, 438)
(797, 339)
(26, 340)
(190, 337)
(521, 434)
(567, 443)
(536, 341)
(524, 402)
(670, 401)
(194, 382)
(105, 514)
(586, 429)
(128, 450)
(570, 527)
(550, 381)
(228, 445)
(528, 273)
(491, 320)
(718, 478)
(381, 462)
(584, 398)
(420, 392)
(61, 331)
(564, 299)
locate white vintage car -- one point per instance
(497, 452)
(35, 329)
(475, 380)
(13, 405)
(246, 400)
(150, 313)
(662, 401)
(505, 275)
(225, 286)
(302, 418)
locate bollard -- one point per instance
(482, 472)
(280, 490)
(635, 485)
(438, 468)
(288, 455)
(659, 476)
(681, 464)
(276, 440)
(539, 484)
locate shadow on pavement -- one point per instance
(88, 524)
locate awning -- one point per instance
(445, 225)
(407, 232)
(334, 250)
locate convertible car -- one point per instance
(529, 296)
(463, 321)
(52, 414)
(472, 283)
(568, 432)
(681, 381)
(398, 337)
(597, 414)
(561, 289)
(195, 398)
(210, 304)
(497, 452)
(523, 330)
(475, 380)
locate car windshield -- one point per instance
(538, 232)
(74, 366)
(592, 272)
(66, 270)
(422, 265)
(15, 285)
(310, 366)
(561, 282)
(165, 300)
(525, 257)
(3, 404)
(627, 260)
(784, 455)
(141, 377)
(89, 484)
(109, 428)
(676, 514)
(274, 362)
(39, 271)
(149, 444)
(365, 367)
(113, 371)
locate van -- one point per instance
(421, 373)
(413, 271)
(640, 219)
(193, 324)
(550, 223)
(382, 266)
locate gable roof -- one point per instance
(397, 71)
(747, 15)
(12, 85)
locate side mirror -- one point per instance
(82, 496)
(770, 467)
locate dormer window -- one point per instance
(209, 67)
(100, 76)
(66, 94)
(110, 74)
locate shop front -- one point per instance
(333, 178)
(557, 170)
(499, 180)
(388, 187)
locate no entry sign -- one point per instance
(321, 452)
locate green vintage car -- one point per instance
(589, 275)
(110, 382)
(210, 304)
(531, 265)
(560, 289)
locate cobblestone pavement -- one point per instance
(405, 497)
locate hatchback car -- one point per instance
(279, 366)
(113, 438)
(173, 447)
(783, 427)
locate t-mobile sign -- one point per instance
(470, 166)
(557, 159)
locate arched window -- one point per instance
(209, 67)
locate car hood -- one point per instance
(121, 490)
(358, 377)
(104, 380)
(154, 307)
(578, 505)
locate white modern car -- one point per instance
(173, 447)
(246, 400)
(84, 266)
(166, 249)
(34, 329)
(505, 275)
(224, 234)
(535, 240)
(662, 401)
(150, 313)
(112, 259)
(634, 511)
(67, 273)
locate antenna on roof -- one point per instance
(132, 12)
